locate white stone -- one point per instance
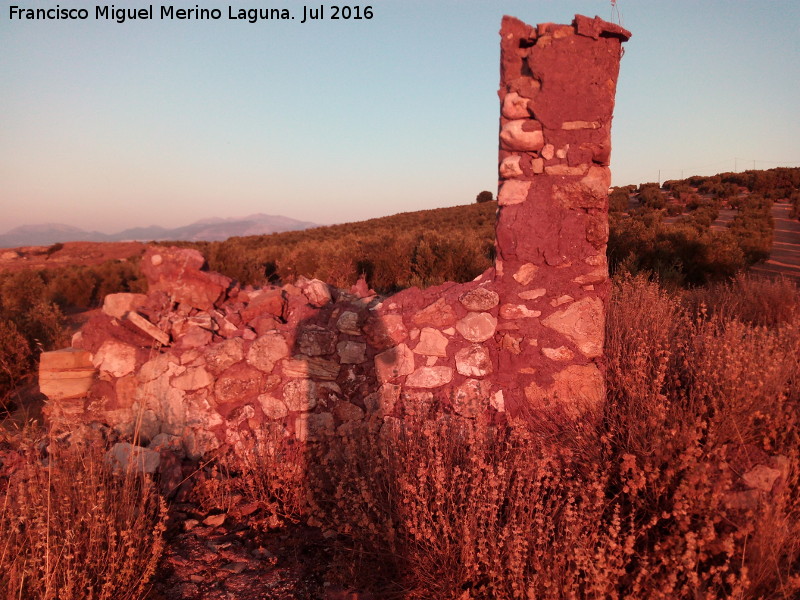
(582, 322)
(118, 305)
(518, 311)
(471, 398)
(526, 273)
(273, 408)
(515, 106)
(393, 363)
(300, 395)
(562, 353)
(115, 358)
(532, 294)
(514, 137)
(430, 377)
(193, 379)
(348, 323)
(477, 326)
(510, 167)
(127, 457)
(473, 361)
(313, 427)
(513, 191)
(432, 342)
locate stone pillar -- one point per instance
(557, 87)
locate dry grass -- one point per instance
(71, 529)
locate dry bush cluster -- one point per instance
(70, 528)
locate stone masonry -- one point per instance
(199, 361)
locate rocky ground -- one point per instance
(216, 557)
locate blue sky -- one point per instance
(106, 126)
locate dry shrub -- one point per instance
(445, 507)
(754, 300)
(695, 400)
(71, 529)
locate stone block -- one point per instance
(64, 374)
(118, 305)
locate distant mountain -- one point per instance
(205, 230)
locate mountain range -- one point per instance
(205, 230)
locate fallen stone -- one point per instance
(214, 520)
(268, 302)
(526, 273)
(118, 305)
(761, 477)
(129, 458)
(317, 292)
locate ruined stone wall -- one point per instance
(557, 87)
(199, 361)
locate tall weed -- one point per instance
(72, 529)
